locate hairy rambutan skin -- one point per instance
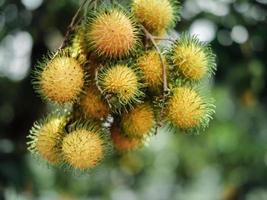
(122, 83)
(191, 58)
(138, 122)
(92, 104)
(112, 33)
(156, 15)
(45, 138)
(83, 148)
(124, 143)
(151, 67)
(186, 109)
(59, 80)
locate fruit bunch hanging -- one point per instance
(113, 82)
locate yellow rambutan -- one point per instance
(61, 80)
(124, 143)
(111, 33)
(122, 83)
(192, 59)
(186, 109)
(151, 67)
(92, 104)
(155, 15)
(139, 121)
(83, 148)
(45, 138)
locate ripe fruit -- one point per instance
(124, 143)
(139, 121)
(155, 15)
(121, 82)
(92, 104)
(151, 67)
(83, 147)
(61, 80)
(186, 109)
(45, 138)
(111, 73)
(111, 33)
(192, 59)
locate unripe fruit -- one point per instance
(192, 59)
(61, 80)
(155, 15)
(46, 138)
(112, 33)
(138, 122)
(123, 143)
(83, 148)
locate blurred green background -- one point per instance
(227, 162)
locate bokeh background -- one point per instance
(227, 162)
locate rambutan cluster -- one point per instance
(120, 84)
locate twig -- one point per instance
(164, 73)
(73, 23)
(163, 38)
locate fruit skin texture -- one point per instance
(185, 109)
(138, 122)
(192, 59)
(61, 80)
(122, 83)
(45, 138)
(92, 104)
(155, 15)
(83, 148)
(112, 33)
(123, 143)
(151, 66)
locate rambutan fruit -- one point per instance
(59, 80)
(112, 33)
(84, 146)
(187, 109)
(92, 104)
(121, 83)
(46, 136)
(151, 67)
(124, 143)
(156, 15)
(191, 58)
(138, 122)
